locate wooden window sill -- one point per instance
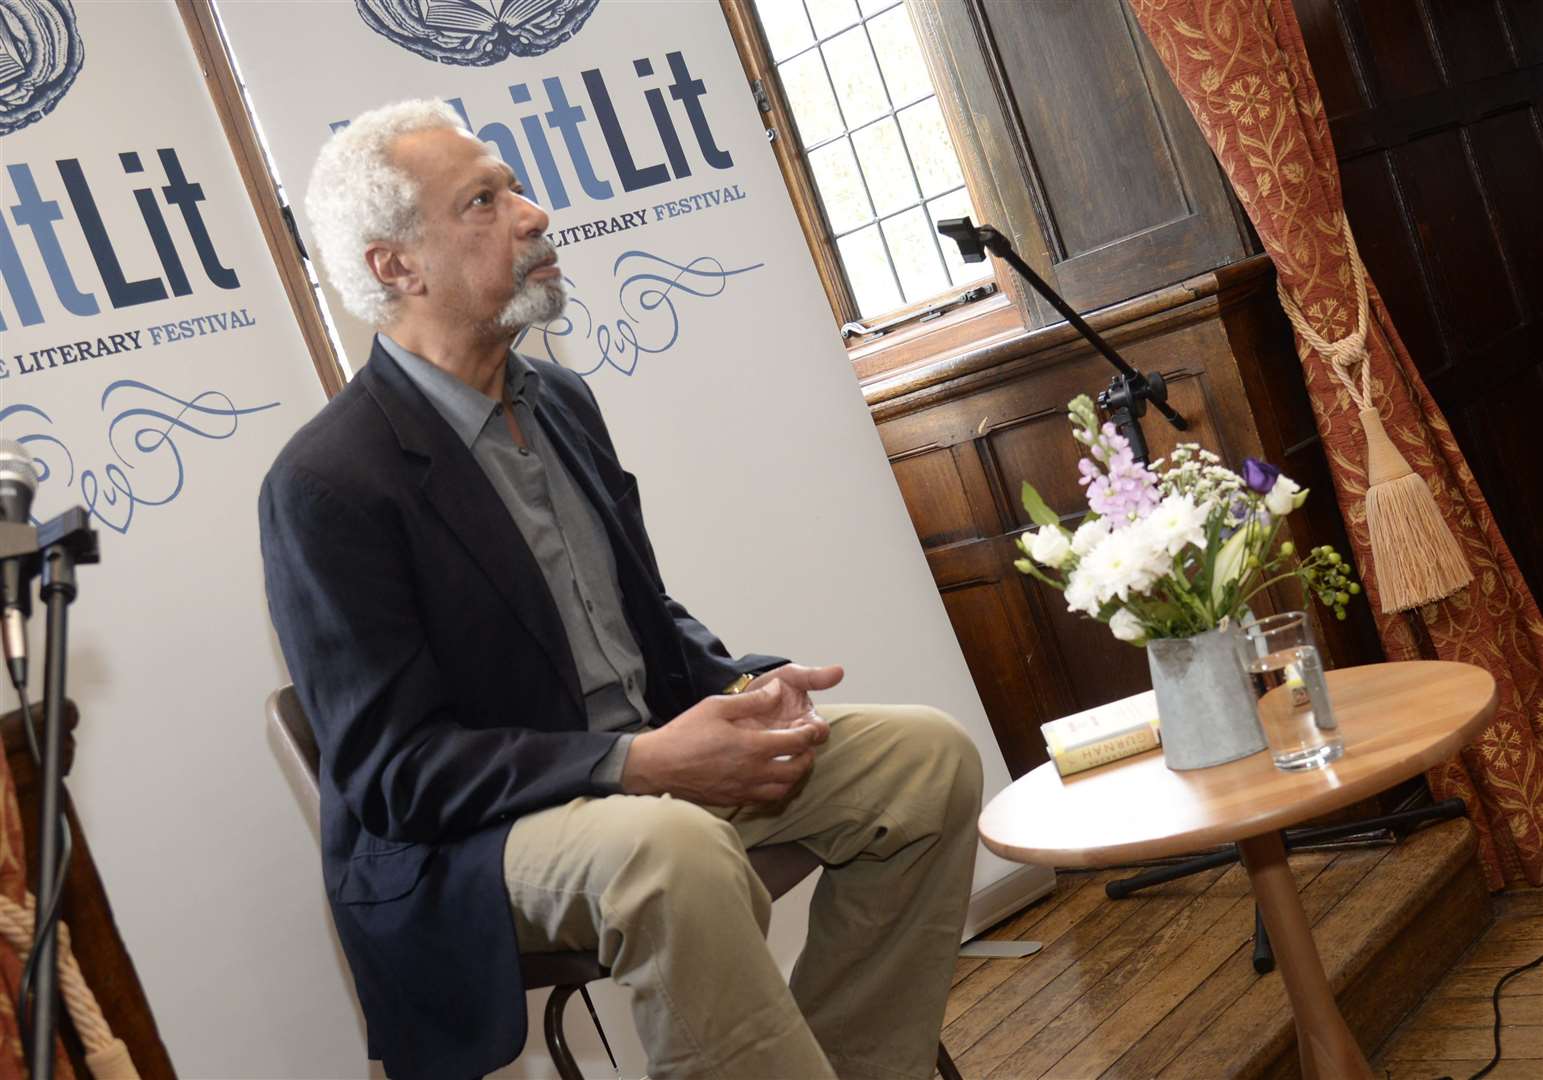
(965, 329)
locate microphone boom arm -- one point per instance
(1129, 392)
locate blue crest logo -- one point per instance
(473, 33)
(40, 55)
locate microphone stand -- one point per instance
(66, 542)
(1129, 392)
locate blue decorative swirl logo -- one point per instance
(475, 33)
(40, 55)
(650, 289)
(143, 434)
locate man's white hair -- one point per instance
(358, 196)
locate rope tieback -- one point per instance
(1416, 557)
(106, 1056)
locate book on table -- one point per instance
(1097, 736)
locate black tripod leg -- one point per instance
(1397, 822)
(1118, 890)
(1264, 956)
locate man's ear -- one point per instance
(396, 270)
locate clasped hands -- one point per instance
(731, 750)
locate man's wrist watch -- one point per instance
(739, 685)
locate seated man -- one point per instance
(525, 742)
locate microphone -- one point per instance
(18, 483)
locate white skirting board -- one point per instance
(1006, 895)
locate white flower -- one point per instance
(1080, 595)
(1177, 523)
(1124, 562)
(1088, 534)
(1125, 626)
(1283, 497)
(1050, 547)
(1232, 559)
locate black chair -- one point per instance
(780, 867)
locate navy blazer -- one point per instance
(432, 662)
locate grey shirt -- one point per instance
(564, 533)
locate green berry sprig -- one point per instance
(1330, 577)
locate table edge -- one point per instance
(1320, 802)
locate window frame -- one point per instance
(274, 217)
(948, 316)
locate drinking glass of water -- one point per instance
(1286, 672)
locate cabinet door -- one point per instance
(1080, 147)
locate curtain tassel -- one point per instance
(1417, 559)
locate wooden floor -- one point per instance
(1162, 983)
(1452, 1033)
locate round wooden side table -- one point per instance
(1396, 719)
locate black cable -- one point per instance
(42, 921)
(1507, 977)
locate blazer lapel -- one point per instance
(458, 490)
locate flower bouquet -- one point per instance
(1175, 548)
(1169, 556)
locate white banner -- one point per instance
(150, 361)
(696, 317)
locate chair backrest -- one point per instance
(780, 866)
(294, 743)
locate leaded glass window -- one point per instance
(872, 133)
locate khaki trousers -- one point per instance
(662, 889)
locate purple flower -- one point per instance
(1259, 475)
(1128, 490)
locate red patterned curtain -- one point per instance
(1243, 69)
(13, 886)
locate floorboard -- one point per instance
(1452, 1032)
(1162, 983)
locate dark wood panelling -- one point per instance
(1337, 82)
(1434, 108)
(933, 494)
(1447, 206)
(1470, 37)
(1509, 155)
(1524, 21)
(1040, 449)
(1017, 668)
(1375, 202)
(1401, 57)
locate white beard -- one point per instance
(535, 302)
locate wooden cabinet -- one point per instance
(963, 432)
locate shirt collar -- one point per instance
(466, 410)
